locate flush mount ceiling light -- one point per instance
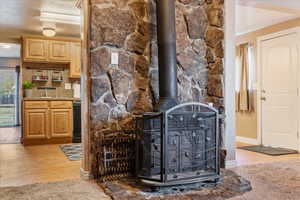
(49, 32)
(49, 29)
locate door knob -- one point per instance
(263, 98)
(263, 91)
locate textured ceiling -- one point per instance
(19, 17)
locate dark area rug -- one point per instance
(231, 185)
(269, 150)
(72, 151)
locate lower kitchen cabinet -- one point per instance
(61, 123)
(35, 121)
(47, 122)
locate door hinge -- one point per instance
(298, 134)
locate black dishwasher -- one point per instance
(76, 122)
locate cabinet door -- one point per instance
(36, 123)
(35, 50)
(59, 51)
(61, 123)
(75, 60)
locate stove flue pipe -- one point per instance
(166, 36)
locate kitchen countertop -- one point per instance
(50, 99)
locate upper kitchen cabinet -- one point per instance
(75, 60)
(35, 50)
(53, 50)
(59, 51)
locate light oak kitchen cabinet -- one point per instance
(61, 125)
(47, 122)
(53, 50)
(35, 50)
(59, 51)
(61, 117)
(75, 60)
(36, 123)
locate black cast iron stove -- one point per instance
(177, 144)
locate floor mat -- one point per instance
(72, 151)
(269, 150)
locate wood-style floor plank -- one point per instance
(21, 165)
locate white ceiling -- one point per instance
(19, 17)
(288, 4)
(252, 15)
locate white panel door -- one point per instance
(279, 92)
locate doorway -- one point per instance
(9, 109)
(279, 92)
(10, 132)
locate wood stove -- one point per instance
(178, 146)
(175, 145)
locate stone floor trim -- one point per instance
(230, 185)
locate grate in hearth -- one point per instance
(115, 155)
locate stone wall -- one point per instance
(119, 93)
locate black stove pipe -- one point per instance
(166, 36)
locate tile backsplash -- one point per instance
(46, 86)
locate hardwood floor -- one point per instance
(10, 135)
(21, 165)
(244, 157)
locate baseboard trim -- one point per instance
(85, 175)
(230, 164)
(247, 140)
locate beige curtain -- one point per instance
(244, 97)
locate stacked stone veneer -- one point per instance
(119, 93)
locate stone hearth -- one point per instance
(231, 185)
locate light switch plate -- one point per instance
(114, 58)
